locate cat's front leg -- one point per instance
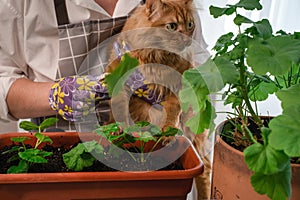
(172, 110)
(120, 107)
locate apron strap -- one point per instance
(61, 12)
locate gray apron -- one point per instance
(76, 41)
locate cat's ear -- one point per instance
(153, 9)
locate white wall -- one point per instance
(282, 14)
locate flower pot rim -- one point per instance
(230, 148)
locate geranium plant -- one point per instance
(131, 140)
(28, 155)
(249, 65)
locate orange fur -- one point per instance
(157, 14)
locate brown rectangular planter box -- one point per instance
(172, 184)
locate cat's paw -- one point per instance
(168, 141)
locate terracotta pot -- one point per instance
(231, 176)
(172, 184)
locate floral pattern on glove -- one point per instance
(74, 97)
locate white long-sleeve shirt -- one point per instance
(29, 38)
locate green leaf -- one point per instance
(142, 123)
(28, 126)
(172, 132)
(34, 155)
(239, 20)
(203, 120)
(261, 91)
(145, 137)
(19, 139)
(289, 97)
(194, 91)
(48, 122)
(93, 146)
(120, 74)
(227, 70)
(106, 130)
(77, 158)
(275, 55)
(13, 149)
(223, 43)
(133, 128)
(276, 186)
(285, 128)
(264, 29)
(218, 12)
(208, 78)
(22, 167)
(285, 133)
(249, 4)
(265, 159)
(43, 138)
(292, 77)
(234, 98)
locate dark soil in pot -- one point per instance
(56, 163)
(232, 136)
(240, 142)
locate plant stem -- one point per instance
(244, 92)
(131, 155)
(156, 143)
(248, 133)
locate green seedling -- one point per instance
(26, 155)
(133, 139)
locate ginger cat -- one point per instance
(157, 34)
(151, 30)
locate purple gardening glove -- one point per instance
(74, 97)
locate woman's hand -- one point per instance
(74, 97)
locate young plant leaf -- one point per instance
(145, 137)
(172, 132)
(105, 131)
(13, 149)
(48, 122)
(78, 158)
(28, 126)
(19, 139)
(43, 138)
(93, 146)
(22, 167)
(34, 155)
